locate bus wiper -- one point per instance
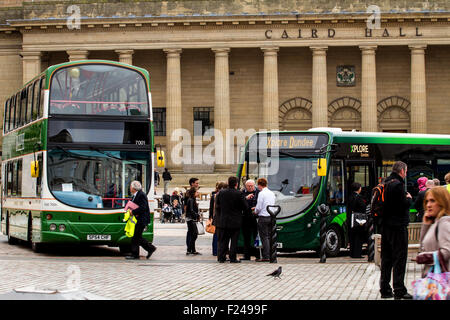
(71, 154)
(110, 155)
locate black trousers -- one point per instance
(356, 238)
(137, 241)
(191, 236)
(394, 255)
(249, 232)
(227, 237)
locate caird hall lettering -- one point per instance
(331, 33)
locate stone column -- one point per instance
(270, 97)
(369, 122)
(75, 55)
(125, 56)
(31, 64)
(11, 67)
(319, 87)
(173, 102)
(222, 105)
(418, 90)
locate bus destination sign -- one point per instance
(290, 142)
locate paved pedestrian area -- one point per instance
(171, 275)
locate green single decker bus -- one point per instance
(73, 140)
(308, 168)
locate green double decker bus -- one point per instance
(73, 140)
(308, 168)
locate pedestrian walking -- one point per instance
(265, 198)
(357, 233)
(142, 214)
(167, 177)
(424, 185)
(249, 224)
(192, 216)
(435, 231)
(230, 206)
(394, 236)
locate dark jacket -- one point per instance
(192, 209)
(396, 204)
(211, 204)
(230, 207)
(166, 176)
(250, 202)
(355, 204)
(142, 213)
(418, 205)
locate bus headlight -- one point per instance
(145, 228)
(62, 227)
(52, 227)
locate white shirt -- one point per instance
(265, 198)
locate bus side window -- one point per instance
(41, 97)
(19, 178)
(36, 96)
(39, 179)
(16, 111)
(6, 116)
(30, 103)
(23, 108)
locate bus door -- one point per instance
(363, 172)
(336, 189)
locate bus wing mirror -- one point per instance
(34, 169)
(160, 159)
(322, 167)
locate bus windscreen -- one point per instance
(97, 89)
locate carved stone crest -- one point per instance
(345, 76)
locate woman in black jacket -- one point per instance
(356, 234)
(192, 217)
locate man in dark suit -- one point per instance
(230, 205)
(394, 234)
(142, 214)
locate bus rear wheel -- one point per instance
(333, 239)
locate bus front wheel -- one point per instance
(333, 239)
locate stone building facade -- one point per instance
(251, 64)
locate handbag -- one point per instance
(436, 284)
(210, 228)
(359, 220)
(200, 228)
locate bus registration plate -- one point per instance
(97, 237)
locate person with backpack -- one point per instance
(394, 234)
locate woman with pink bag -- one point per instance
(434, 245)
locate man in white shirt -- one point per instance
(265, 198)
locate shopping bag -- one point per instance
(435, 286)
(131, 224)
(200, 228)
